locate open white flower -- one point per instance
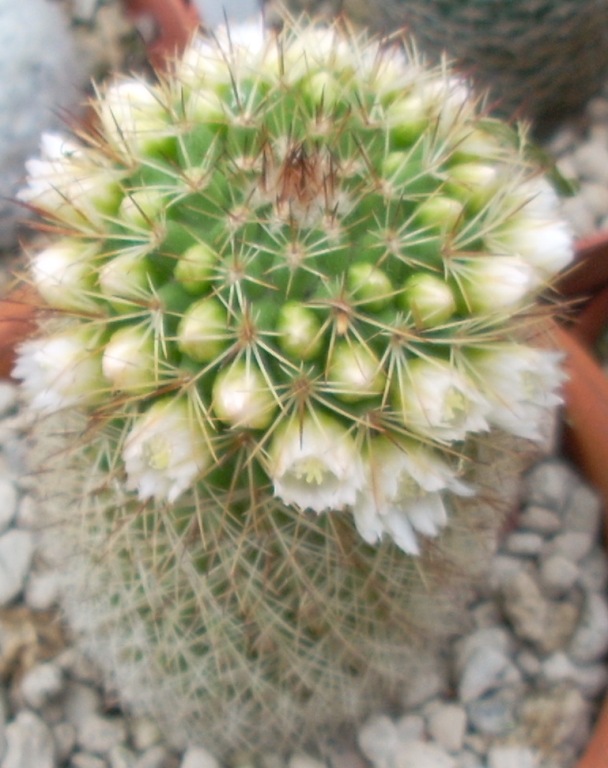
(315, 464)
(545, 244)
(61, 371)
(165, 451)
(437, 400)
(521, 384)
(404, 494)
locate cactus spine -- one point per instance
(290, 292)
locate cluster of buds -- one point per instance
(302, 258)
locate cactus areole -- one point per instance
(293, 280)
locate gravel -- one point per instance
(520, 691)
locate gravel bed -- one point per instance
(519, 691)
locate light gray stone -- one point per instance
(421, 754)
(523, 543)
(468, 759)
(80, 702)
(378, 740)
(16, 550)
(98, 734)
(495, 713)
(121, 757)
(557, 575)
(594, 571)
(64, 735)
(512, 757)
(549, 484)
(42, 590)
(29, 743)
(41, 683)
(427, 683)
(574, 545)
(86, 760)
(590, 641)
(547, 625)
(198, 757)
(8, 503)
(540, 520)
(447, 724)
(144, 733)
(301, 760)
(410, 727)
(154, 757)
(485, 669)
(590, 679)
(584, 510)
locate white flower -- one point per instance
(315, 464)
(495, 283)
(404, 494)
(67, 182)
(546, 244)
(64, 274)
(521, 384)
(165, 450)
(437, 400)
(61, 371)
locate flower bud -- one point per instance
(125, 277)
(369, 286)
(354, 372)
(201, 333)
(128, 361)
(439, 212)
(429, 299)
(64, 275)
(141, 208)
(241, 397)
(195, 266)
(495, 283)
(299, 331)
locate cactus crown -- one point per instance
(287, 287)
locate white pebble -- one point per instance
(40, 684)
(98, 734)
(512, 757)
(64, 735)
(539, 519)
(144, 733)
(29, 743)
(584, 511)
(42, 590)
(548, 484)
(589, 679)
(410, 728)
(591, 161)
(590, 641)
(421, 754)
(85, 760)
(121, 757)
(16, 550)
(378, 740)
(198, 757)
(8, 503)
(523, 543)
(80, 702)
(575, 545)
(557, 575)
(300, 760)
(154, 757)
(494, 713)
(485, 669)
(447, 725)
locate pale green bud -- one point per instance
(440, 212)
(125, 277)
(369, 285)
(299, 331)
(128, 360)
(241, 397)
(64, 275)
(201, 333)
(141, 208)
(495, 283)
(429, 299)
(194, 269)
(354, 372)
(407, 118)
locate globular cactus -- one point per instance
(540, 59)
(290, 291)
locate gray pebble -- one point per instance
(485, 669)
(121, 757)
(548, 484)
(512, 757)
(40, 684)
(98, 734)
(410, 727)
(422, 754)
(591, 161)
(590, 679)
(523, 543)
(64, 735)
(575, 545)
(85, 760)
(29, 743)
(80, 702)
(143, 733)
(594, 571)
(198, 757)
(378, 739)
(529, 663)
(301, 760)
(16, 551)
(154, 757)
(584, 510)
(494, 713)
(447, 724)
(429, 682)
(557, 575)
(42, 590)
(8, 503)
(590, 641)
(539, 519)
(468, 759)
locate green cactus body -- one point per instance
(290, 312)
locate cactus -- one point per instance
(284, 373)
(540, 59)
